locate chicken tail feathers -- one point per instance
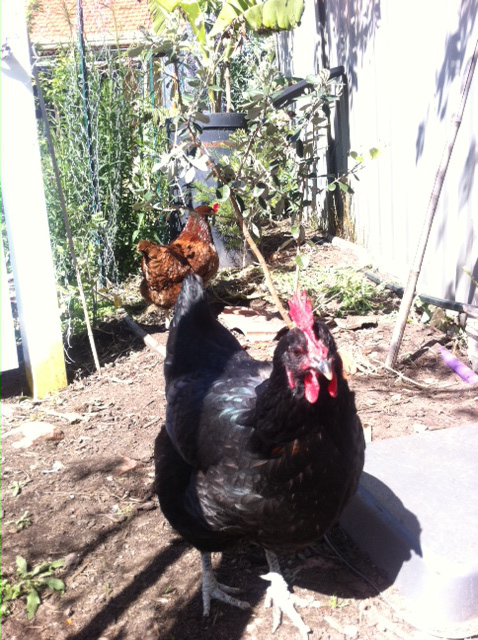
(197, 341)
(192, 292)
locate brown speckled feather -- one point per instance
(165, 267)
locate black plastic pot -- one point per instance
(215, 135)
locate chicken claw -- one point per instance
(279, 597)
(211, 589)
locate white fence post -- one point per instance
(25, 210)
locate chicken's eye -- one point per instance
(296, 351)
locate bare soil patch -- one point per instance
(88, 490)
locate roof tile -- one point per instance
(56, 21)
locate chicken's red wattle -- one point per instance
(311, 386)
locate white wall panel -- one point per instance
(406, 63)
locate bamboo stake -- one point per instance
(148, 340)
(409, 292)
(65, 216)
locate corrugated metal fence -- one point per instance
(405, 63)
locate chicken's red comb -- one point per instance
(300, 310)
(215, 207)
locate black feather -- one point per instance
(245, 456)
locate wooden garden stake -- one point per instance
(409, 292)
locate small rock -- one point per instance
(146, 506)
(71, 561)
(31, 431)
(7, 411)
(56, 466)
(56, 436)
(351, 631)
(72, 417)
(419, 428)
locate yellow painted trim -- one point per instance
(47, 376)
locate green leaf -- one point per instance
(40, 568)
(190, 175)
(168, 5)
(262, 203)
(22, 566)
(229, 12)
(374, 152)
(55, 584)
(276, 15)
(255, 230)
(282, 14)
(253, 17)
(33, 602)
(254, 113)
(302, 261)
(279, 208)
(295, 231)
(314, 79)
(241, 203)
(15, 489)
(222, 193)
(196, 19)
(344, 187)
(298, 232)
(201, 117)
(196, 126)
(332, 186)
(200, 163)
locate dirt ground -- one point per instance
(87, 487)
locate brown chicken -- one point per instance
(165, 266)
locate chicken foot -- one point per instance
(279, 597)
(212, 589)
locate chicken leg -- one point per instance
(212, 589)
(279, 597)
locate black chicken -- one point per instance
(252, 451)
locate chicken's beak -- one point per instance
(325, 368)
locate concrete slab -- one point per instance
(416, 516)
